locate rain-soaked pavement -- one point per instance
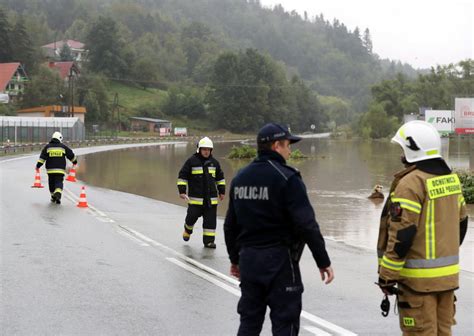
(121, 268)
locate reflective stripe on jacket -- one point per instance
(419, 234)
(202, 179)
(55, 154)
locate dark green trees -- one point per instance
(249, 89)
(106, 48)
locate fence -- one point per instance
(23, 130)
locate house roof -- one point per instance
(53, 108)
(59, 44)
(64, 68)
(7, 70)
(150, 120)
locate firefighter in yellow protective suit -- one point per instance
(423, 224)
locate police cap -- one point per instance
(273, 132)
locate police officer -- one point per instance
(55, 154)
(268, 222)
(204, 179)
(423, 223)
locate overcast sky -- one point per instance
(423, 33)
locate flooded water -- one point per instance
(339, 176)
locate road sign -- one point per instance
(464, 115)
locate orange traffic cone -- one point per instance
(82, 199)
(37, 183)
(72, 174)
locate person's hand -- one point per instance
(184, 196)
(235, 271)
(327, 274)
(221, 196)
(387, 286)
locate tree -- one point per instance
(91, 92)
(65, 54)
(376, 123)
(6, 53)
(367, 40)
(106, 48)
(249, 89)
(183, 101)
(22, 48)
(308, 110)
(45, 88)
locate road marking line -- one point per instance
(316, 331)
(326, 324)
(99, 215)
(18, 158)
(203, 269)
(205, 276)
(182, 256)
(131, 237)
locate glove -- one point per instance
(388, 286)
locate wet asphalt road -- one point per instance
(121, 268)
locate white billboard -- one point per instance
(180, 131)
(442, 120)
(464, 114)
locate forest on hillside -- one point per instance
(232, 62)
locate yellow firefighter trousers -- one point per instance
(426, 314)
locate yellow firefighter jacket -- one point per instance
(419, 233)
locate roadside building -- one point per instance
(14, 130)
(53, 50)
(12, 80)
(139, 124)
(57, 111)
(66, 70)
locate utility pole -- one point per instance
(71, 92)
(116, 109)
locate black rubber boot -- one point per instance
(57, 197)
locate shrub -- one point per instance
(467, 181)
(242, 152)
(297, 155)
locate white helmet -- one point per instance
(58, 136)
(419, 140)
(204, 143)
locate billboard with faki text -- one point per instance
(442, 120)
(464, 115)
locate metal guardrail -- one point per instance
(8, 149)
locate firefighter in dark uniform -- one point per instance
(55, 154)
(203, 178)
(268, 222)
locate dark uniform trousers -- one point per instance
(208, 214)
(269, 277)
(55, 182)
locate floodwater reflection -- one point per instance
(339, 176)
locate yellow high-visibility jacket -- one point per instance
(422, 225)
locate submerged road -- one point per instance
(120, 267)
